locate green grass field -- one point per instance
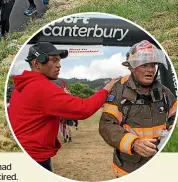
(157, 17)
(172, 145)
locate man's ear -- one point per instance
(36, 64)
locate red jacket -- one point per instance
(35, 109)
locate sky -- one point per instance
(106, 65)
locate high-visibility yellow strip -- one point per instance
(125, 144)
(106, 105)
(145, 129)
(145, 132)
(113, 109)
(124, 79)
(173, 109)
(118, 171)
(113, 113)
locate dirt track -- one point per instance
(87, 157)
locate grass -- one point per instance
(172, 145)
(95, 117)
(131, 9)
(158, 17)
(7, 143)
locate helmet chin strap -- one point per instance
(138, 84)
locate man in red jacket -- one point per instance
(37, 104)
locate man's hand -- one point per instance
(145, 147)
(110, 85)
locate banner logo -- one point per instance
(81, 30)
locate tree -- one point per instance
(80, 90)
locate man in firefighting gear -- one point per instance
(137, 110)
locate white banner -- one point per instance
(82, 50)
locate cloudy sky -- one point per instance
(91, 67)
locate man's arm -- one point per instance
(57, 102)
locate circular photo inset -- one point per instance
(91, 97)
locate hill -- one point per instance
(95, 84)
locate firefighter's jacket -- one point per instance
(128, 115)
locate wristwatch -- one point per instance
(132, 147)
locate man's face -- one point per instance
(145, 73)
(52, 68)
